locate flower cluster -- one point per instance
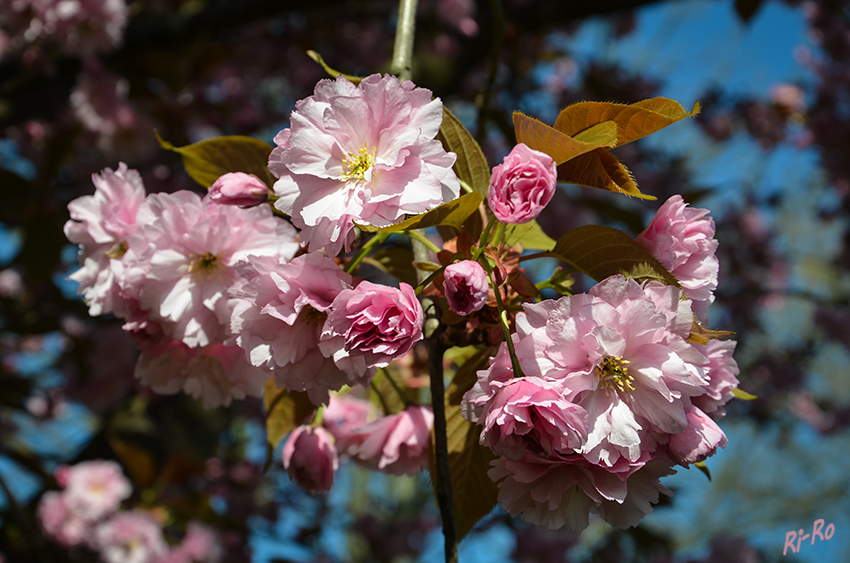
(164, 263)
(612, 392)
(210, 287)
(87, 513)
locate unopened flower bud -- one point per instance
(310, 459)
(522, 185)
(466, 287)
(238, 188)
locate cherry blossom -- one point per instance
(360, 153)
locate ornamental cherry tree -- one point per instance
(375, 227)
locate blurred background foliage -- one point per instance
(767, 155)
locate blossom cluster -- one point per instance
(213, 289)
(87, 513)
(591, 399)
(612, 391)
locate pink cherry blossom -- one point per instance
(362, 154)
(466, 287)
(183, 261)
(523, 415)
(343, 418)
(621, 354)
(200, 545)
(278, 314)
(130, 537)
(94, 489)
(61, 523)
(101, 224)
(560, 490)
(238, 188)
(698, 441)
(310, 458)
(522, 185)
(398, 443)
(681, 238)
(722, 373)
(369, 327)
(215, 374)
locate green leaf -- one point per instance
(474, 494)
(452, 213)
(206, 160)
(530, 236)
(471, 166)
(396, 261)
(560, 146)
(743, 395)
(634, 121)
(601, 252)
(704, 468)
(285, 410)
(600, 169)
(332, 72)
(561, 281)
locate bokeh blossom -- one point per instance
(130, 537)
(363, 154)
(94, 489)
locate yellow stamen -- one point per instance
(357, 165)
(614, 374)
(117, 250)
(204, 266)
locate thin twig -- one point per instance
(403, 48)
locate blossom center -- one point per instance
(614, 374)
(357, 165)
(118, 250)
(204, 266)
(313, 316)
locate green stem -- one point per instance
(503, 319)
(500, 232)
(421, 287)
(398, 390)
(367, 248)
(384, 404)
(417, 235)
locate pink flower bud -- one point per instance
(522, 185)
(466, 287)
(238, 188)
(310, 459)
